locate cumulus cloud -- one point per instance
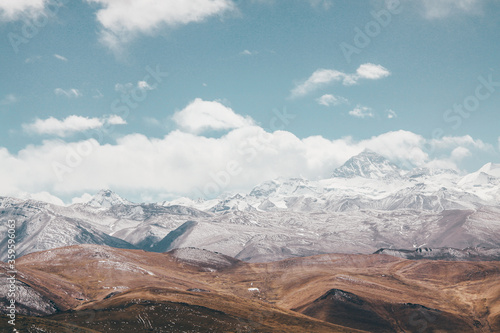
(70, 93)
(115, 120)
(70, 125)
(14, 10)
(323, 77)
(122, 20)
(362, 112)
(201, 115)
(460, 153)
(84, 198)
(192, 165)
(371, 72)
(330, 100)
(436, 9)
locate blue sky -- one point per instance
(156, 99)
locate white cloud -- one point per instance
(391, 114)
(246, 52)
(362, 112)
(8, 99)
(330, 100)
(372, 72)
(124, 88)
(436, 9)
(322, 77)
(189, 164)
(460, 153)
(70, 125)
(122, 20)
(116, 120)
(60, 57)
(128, 87)
(144, 85)
(202, 115)
(319, 78)
(84, 198)
(14, 10)
(70, 93)
(461, 141)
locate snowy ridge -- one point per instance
(106, 199)
(368, 164)
(369, 204)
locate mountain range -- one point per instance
(367, 204)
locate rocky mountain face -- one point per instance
(368, 203)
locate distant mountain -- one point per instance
(106, 199)
(369, 204)
(368, 164)
(450, 254)
(489, 174)
(41, 226)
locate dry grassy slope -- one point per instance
(399, 295)
(121, 288)
(36, 324)
(175, 310)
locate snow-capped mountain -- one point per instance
(106, 199)
(369, 204)
(366, 181)
(368, 164)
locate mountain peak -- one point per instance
(106, 199)
(491, 169)
(367, 164)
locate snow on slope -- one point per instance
(106, 199)
(369, 204)
(368, 164)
